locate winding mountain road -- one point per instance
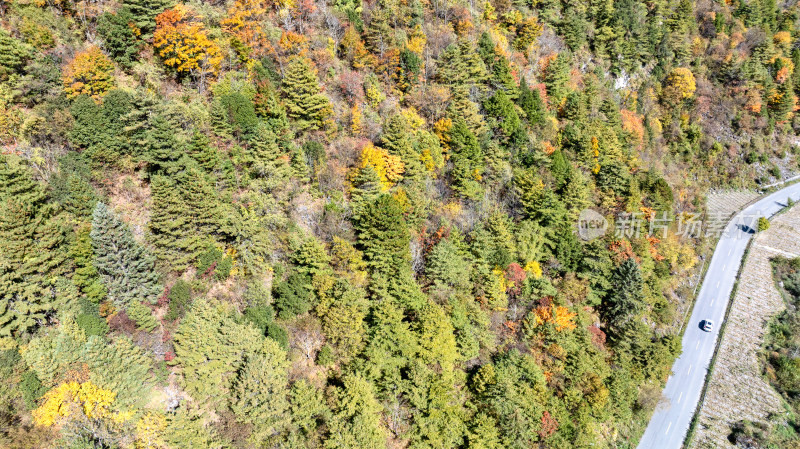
(670, 422)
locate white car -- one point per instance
(707, 325)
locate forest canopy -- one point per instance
(352, 223)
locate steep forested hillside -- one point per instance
(352, 224)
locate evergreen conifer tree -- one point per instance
(384, 237)
(71, 186)
(574, 25)
(120, 39)
(170, 227)
(200, 199)
(90, 129)
(144, 13)
(626, 298)
(305, 103)
(32, 250)
(201, 150)
(343, 311)
(270, 164)
(366, 188)
(466, 156)
(307, 406)
(210, 346)
(556, 78)
(500, 107)
(141, 315)
(85, 276)
(13, 54)
(531, 103)
(261, 390)
(121, 367)
(268, 105)
(125, 266)
(162, 149)
(783, 101)
(186, 430)
(51, 354)
(461, 108)
(397, 140)
(356, 420)
(186, 215)
(502, 78)
(461, 65)
(81, 197)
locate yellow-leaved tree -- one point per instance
(183, 43)
(389, 167)
(150, 430)
(78, 402)
(680, 84)
(91, 72)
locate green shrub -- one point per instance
(256, 295)
(260, 316)
(763, 224)
(787, 373)
(207, 259)
(214, 258)
(31, 388)
(179, 299)
(293, 296)
(92, 324)
(279, 334)
(325, 356)
(142, 316)
(223, 269)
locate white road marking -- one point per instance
(712, 301)
(670, 425)
(717, 284)
(690, 369)
(724, 266)
(679, 397)
(697, 345)
(729, 251)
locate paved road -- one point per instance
(668, 426)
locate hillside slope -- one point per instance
(350, 224)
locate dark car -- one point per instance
(707, 325)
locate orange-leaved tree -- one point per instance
(559, 316)
(183, 43)
(91, 72)
(245, 24)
